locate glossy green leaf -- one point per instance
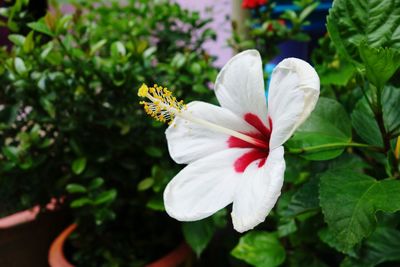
(374, 22)
(328, 124)
(380, 63)
(260, 249)
(349, 201)
(76, 188)
(105, 197)
(79, 165)
(198, 234)
(364, 123)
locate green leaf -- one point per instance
(198, 234)
(96, 183)
(19, 65)
(327, 124)
(349, 201)
(11, 153)
(79, 165)
(391, 111)
(118, 49)
(145, 184)
(29, 44)
(330, 239)
(76, 188)
(374, 22)
(80, 202)
(380, 63)
(382, 246)
(154, 151)
(94, 48)
(17, 39)
(304, 200)
(287, 228)
(339, 75)
(40, 26)
(105, 197)
(260, 249)
(364, 123)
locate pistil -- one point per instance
(164, 107)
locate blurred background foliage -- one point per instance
(71, 124)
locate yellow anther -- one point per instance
(163, 106)
(143, 90)
(397, 149)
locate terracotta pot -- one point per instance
(57, 258)
(25, 236)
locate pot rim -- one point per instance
(57, 257)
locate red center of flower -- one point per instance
(256, 152)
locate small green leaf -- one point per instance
(198, 234)
(105, 197)
(19, 65)
(40, 26)
(380, 63)
(145, 184)
(17, 39)
(118, 49)
(80, 202)
(154, 151)
(327, 124)
(96, 183)
(76, 188)
(94, 48)
(79, 165)
(29, 44)
(260, 249)
(349, 201)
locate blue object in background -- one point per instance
(302, 50)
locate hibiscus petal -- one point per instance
(258, 191)
(240, 85)
(188, 141)
(293, 94)
(204, 186)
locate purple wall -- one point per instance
(219, 10)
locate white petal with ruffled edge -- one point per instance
(188, 141)
(258, 191)
(293, 94)
(204, 186)
(240, 85)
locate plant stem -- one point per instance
(326, 147)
